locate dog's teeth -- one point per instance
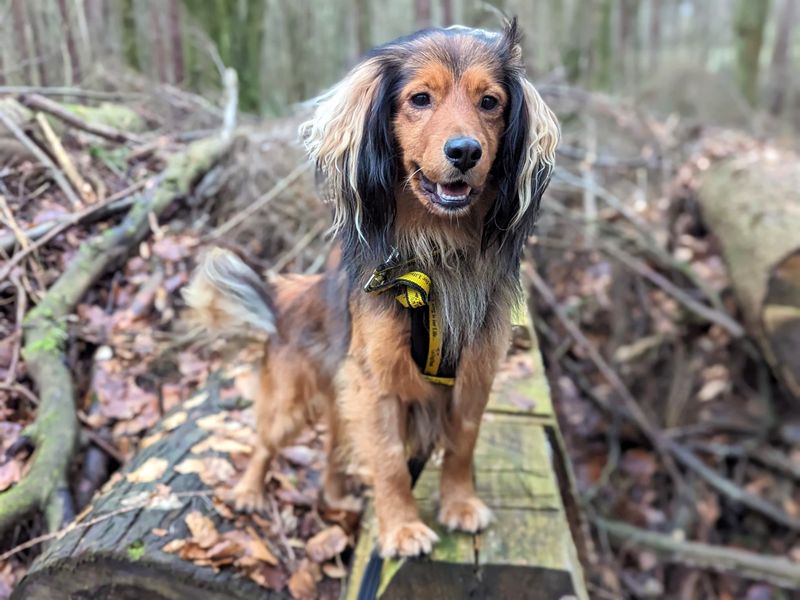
(439, 190)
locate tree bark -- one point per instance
(781, 57)
(422, 13)
(761, 246)
(72, 50)
(750, 22)
(116, 551)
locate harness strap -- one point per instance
(413, 289)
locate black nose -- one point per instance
(464, 152)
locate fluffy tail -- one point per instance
(228, 297)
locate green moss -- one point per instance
(136, 550)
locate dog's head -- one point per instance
(447, 114)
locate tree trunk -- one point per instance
(72, 50)
(116, 552)
(750, 21)
(422, 13)
(761, 246)
(364, 25)
(176, 40)
(781, 57)
(447, 13)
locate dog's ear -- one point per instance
(526, 157)
(351, 141)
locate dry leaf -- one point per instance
(174, 546)
(334, 571)
(303, 582)
(159, 532)
(195, 401)
(203, 531)
(152, 469)
(174, 421)
(212, 470)
(150, 439)
(10, 474)
(221, 444)
(326, 544)
(258, 548)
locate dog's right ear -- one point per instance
(350, 140)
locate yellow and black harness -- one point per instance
(413, 292)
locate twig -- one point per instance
(632, 409)
(777, 570)
(710, 314)
(21, 390)
(265, 199)
(37, 152)
(301, 244)
(38, 102)
(67, 91)
(730, 489)
(64, 161)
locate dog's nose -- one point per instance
(463, 152)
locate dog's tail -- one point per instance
(228, 297)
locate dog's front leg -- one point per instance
(400, 530)
(460, 506)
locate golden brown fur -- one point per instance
(380, 140)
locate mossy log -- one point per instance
(752, 205)
(116, 551)
(523, 476)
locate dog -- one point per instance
(434, 152)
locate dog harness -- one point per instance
(413, 293)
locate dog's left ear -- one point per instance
(526, 157)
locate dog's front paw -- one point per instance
(466, 514)
(246, 499)
(408, 539)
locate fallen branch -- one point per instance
(37, 102)
(65, 162)
(776, 570)
(708, 313)
(39, 154)
(55, 430)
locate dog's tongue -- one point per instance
(453, 189)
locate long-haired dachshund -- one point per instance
(434, 152)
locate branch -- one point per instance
(55, 429)
(37, 102)
(776, 570)
(37, 152)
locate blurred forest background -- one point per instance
(665, 286)
(714, 59)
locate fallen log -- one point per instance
(752, 205)
(137, 537)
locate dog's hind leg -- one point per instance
(281, 411)
(334, 489)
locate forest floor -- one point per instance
(620, 248)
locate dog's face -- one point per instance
(448, 125)
(446, 114)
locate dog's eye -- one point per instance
(489, 102)
(421, 100)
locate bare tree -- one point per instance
(422, 13)
(72, 49)
(750, 21)
(447, 13)
(781, 57)
(176, 40)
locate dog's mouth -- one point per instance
(451, 196)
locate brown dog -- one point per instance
(435, 151)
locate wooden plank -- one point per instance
(528, 551)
